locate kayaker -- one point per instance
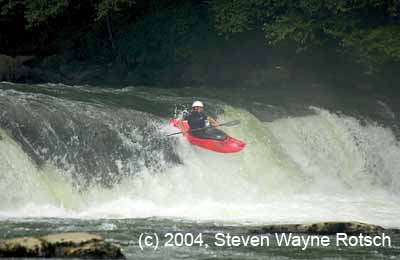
(197, 119)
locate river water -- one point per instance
(80, 158)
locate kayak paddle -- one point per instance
(230, 123)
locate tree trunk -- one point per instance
(110, 33)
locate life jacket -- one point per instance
(196, 120)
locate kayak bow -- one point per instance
(229, 145)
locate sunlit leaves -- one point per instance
(105, 7)
(40, 11)
(367, 30)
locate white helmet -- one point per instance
(197, 104)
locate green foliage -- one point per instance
(40, 11)
(160, 40)
(106, 7)
(8, 7)
(154, 38)
(375, 46)
(233, 16)
(368, 30)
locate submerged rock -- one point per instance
(324, 228)
(64, 245)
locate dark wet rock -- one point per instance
(323, 228)
(13, 69)
(64, 245)
(22, 247)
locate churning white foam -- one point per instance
(312, 168)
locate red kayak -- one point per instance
(227, 145)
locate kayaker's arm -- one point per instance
(212, 121)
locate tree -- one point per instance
(367, 30)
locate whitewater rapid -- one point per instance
(318, 167)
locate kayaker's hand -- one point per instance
(212, 121)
